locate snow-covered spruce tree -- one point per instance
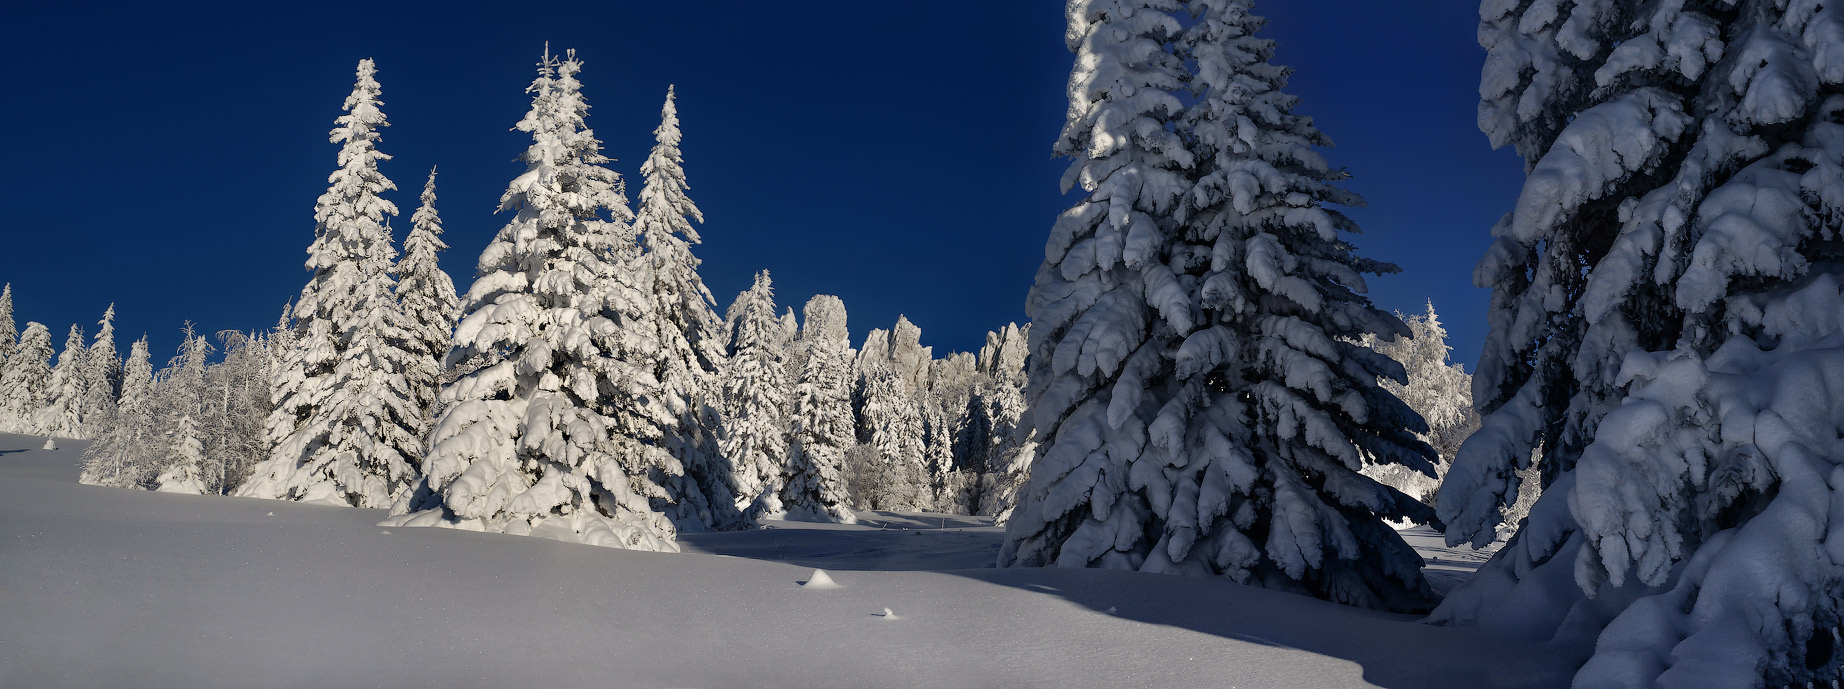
(122, 453)
(813, 485)
(525, 443)
(181, 392)
(755, 393)
(185, 457)
(347, 425)
(426, 298)
(1195, 380)
(25, 381)
(102, 376)
(691, 348)
(9, 332)
(1665, 326)
(66, 393)
(1005, 464)
(1437, 389)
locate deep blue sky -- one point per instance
(896, 154)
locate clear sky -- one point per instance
(896, 154)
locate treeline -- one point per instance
(584, 387)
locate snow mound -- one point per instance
(820, 580)
(51, 444)
(888, 615)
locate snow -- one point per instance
(819, 580)
(207, 591)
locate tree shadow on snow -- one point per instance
(880, 541)
(1393, 651)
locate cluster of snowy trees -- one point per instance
(193, 426)
(69, 397)
(584, 388)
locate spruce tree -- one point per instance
(63, 413)
(347, 427)
(118, 457)
(426, 298)
(691, 348)
(9, 332)
(1665, 340)
(814, 482)
(535, 437)
(1203, 406)
(102, 376)
(756, 396)
(24, 383)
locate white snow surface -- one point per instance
(111, 587)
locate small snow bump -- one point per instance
(888, 615)
(1112, 610)
(820, 580)
(384, 533)
(271, 514)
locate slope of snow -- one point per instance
(111, 587)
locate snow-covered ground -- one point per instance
(104, 587)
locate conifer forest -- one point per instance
(542, 416)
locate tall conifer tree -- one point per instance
(346, 426)
(427, 299)
(690, 355)
(539, 437)
(1203, 405)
